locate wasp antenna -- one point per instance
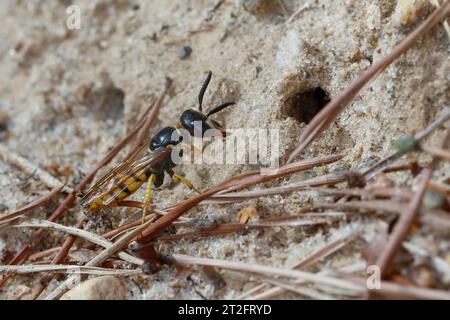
(203, 89)
(219, 108)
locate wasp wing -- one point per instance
(115, 177)
(107, 179)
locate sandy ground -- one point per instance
(67, 96)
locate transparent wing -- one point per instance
(114, 177)
(100, 186)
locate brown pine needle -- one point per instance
(288, 286)
(35, 223)
(267, 270)
(300, 186)
(9, 217)
(316, 256)
(234, 183)
(408, 216)
(282, 221)
(397, 291)
(332, 110)
(25, 269)
(270, 293)
(43, 254)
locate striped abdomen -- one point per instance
(123, 189)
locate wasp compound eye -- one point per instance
(194, 121)
(163, 139)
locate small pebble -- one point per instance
(185, 52)
(100, 288)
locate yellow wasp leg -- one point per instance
(177, 178)
(148, 196)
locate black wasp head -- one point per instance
(194, 121)
(164, 138)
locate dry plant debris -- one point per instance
(310, 229)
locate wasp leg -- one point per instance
(148, 196)
(177, 178)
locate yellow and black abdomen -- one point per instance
(122, 190)
(129, 183)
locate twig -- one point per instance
(62, 253)
(80, 233)
(305, 185)
(266, 270)
(353, 268)
(430, 216)
(330, 112)
(264, 175)
(308, 292)
(25, 269)
(43, 254)
(316, 256)
(285, 221)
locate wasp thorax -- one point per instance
(164, 138)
